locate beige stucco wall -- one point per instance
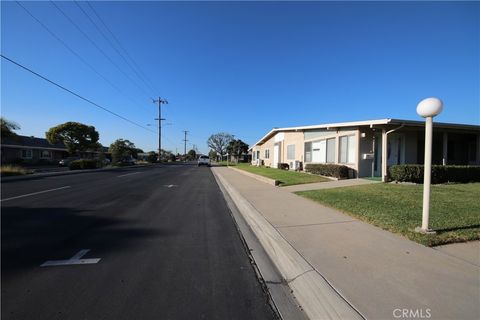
(293, 138)
(337, 134)
(289, 138)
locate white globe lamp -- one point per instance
(428, 108)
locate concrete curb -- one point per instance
(272, 182)
(63, 173)
(317, 297)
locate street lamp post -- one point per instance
(428, 108)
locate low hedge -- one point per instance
(440, 174)
(283, 166)
(329, 170)
(83, 164)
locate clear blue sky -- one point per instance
(240, 67)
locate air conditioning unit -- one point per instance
(296, 165)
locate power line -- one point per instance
(108, 40)
(121, 47)
(73, 51)
(105, 37)
(96, 46)
(74, 93)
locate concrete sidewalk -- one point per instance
(376, 272)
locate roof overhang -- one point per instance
(368, 123)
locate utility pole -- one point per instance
(185, 145)
(160, 101)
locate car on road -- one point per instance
(65, 162)
(203, 160)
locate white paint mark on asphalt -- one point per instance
(76, 259)
(170, 185)
(128, 174)
(34, 193)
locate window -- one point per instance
(267, 153)
(27, 154)
(347, 149)
(254, 156)
(308, 152)
(331, 150)
(291, 152)
(258, 154)
(45, 154)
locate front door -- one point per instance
(394, 151)
(276, 155)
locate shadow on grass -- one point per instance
(475, 226)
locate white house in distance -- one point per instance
(368, 147)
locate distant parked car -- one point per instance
(129, 161)
(203, 160)
(65, 162)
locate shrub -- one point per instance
(42, 162)
(329, 170)
(17, 161)
(152, 157)
(83, 164)
(283, 166)
(9, 170)
(440, 174)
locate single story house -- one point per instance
(368, 147)
(32, 150)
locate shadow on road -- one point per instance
(30, 236)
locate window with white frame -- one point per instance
(347, 149)
(331, 150)
(267, 153)
(45, 154)
(308, 152)
(291, 152)
(26, 153)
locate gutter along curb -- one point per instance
(316, 296)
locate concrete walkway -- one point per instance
(378, 273)
(328, 184)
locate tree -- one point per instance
(191, 155)
(212, 154)
(219, 142)
(237, 148)
(152, 157)
(76, 137)
(122, 150)
(7, 128)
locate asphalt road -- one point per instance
(167, 244)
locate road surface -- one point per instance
(135, 243)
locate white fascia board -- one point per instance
(368, 123)
(322, 126)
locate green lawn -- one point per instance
(454, 211)
(286, 178)
(224, 163)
